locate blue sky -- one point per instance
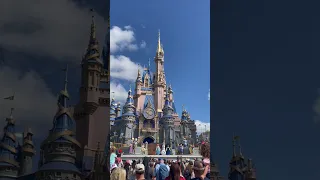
(185, 35)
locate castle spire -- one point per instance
(93, 26)
(8, 151)
(93, 54)
(240, 150)
(234, 145)
(159, 47)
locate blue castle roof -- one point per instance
(128, 108)
(167, 109)
(8, 150)
(148, 72)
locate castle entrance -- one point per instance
(148, 139)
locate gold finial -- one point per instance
(149, 64)
(93, 26)
(159, 48)
(130, 88)
(183, 107)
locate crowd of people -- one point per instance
(161, 169)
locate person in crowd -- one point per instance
(119, 161)
(132, 170)
(175, 172)
(139, 169)
(112, 156)
(188, 172)
(158, 150)
(151, 170)
(161, 170)
(127, 168)
(205, 153)
(199, 170)
(118, 174)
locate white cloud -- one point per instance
(121, 67)
(122, 39)
(120, 93)
(202, 126)
(143, 26)
(143, 44)
(35, 26)
(209, 95)
(34, 104)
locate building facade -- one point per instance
(149, 112)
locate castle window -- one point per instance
(74, 175)
(60, 145)
(58, 173)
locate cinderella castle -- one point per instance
(150, 114)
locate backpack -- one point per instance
(163, 172)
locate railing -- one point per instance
(170, 157)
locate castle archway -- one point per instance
(148, 139)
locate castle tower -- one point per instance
(167, 134)
(138, 91)
(8, 152)
(128, 117)
(92, 111)
(251, 172)
(27, 152)
(58, 160)
(237, 163)
(112, 112)
(160, 82)
(118, 110)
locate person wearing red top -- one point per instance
(175, 172)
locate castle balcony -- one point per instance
(151, 130)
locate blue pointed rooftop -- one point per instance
(8, 151)
(129, 99)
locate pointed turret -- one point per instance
(251, 172)
(118, 110)
(237, 163)
(8, 152)
(93, 53)
(113, 113)
(167, 109)
(160, 51)
(185, 114)
(59, 148)
(139, 78)
(27, 152)
(129, 108)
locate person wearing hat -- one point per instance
(140, 169)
